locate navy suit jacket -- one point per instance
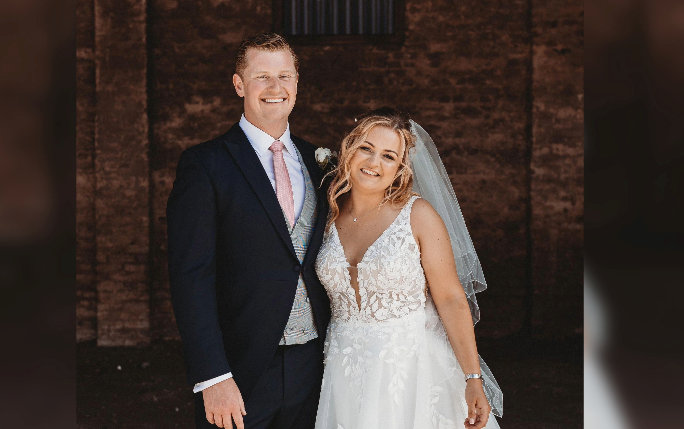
(232, 268)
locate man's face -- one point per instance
(269, 87)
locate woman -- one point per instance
(400, 350)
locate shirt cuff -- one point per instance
(203, 385)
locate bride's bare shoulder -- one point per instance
(422, 210)
(425, 219)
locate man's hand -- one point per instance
(478, 407)
(223, 404)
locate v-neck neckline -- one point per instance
(365, 253)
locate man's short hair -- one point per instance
(266, 42)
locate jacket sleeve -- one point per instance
(192, 229)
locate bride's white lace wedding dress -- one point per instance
(388, 362)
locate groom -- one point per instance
(245, 222)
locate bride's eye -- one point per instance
(390, 157)
(365, 148)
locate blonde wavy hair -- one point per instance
(401, 188)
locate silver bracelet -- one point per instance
(469, 376)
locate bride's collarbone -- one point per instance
(355, 242)
(356, 237)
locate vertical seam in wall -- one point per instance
(96, 276)
(529, 140)
(149, 49)
(93, 213)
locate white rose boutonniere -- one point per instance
(324, 156)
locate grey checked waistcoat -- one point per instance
(300, 326)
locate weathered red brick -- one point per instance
(499, 87)
(557, 186)
(121, 172)
(86, 305)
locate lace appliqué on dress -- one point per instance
(390, 276)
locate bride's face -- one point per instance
(374, 165)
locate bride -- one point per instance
(400, 350)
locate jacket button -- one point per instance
(296, 268)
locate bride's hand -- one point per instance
(478, 407)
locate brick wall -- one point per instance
(497, 84)
(557, 198)
(86, 298)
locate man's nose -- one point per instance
(274, 84)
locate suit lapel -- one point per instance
(248, 161)
(309, 161)
(311, 165)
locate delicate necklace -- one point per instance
(356, 218)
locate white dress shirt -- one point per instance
(261, 142)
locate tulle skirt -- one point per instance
(395, 374)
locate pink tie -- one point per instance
(282, 179)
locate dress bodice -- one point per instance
(390, 276)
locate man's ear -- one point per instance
(239, 85)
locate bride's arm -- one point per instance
(448, 295)
(440, 271)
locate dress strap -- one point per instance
(406, 210)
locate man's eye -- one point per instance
(262, 77)
(285, 76)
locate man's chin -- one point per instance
(270, 120)
(275, 115)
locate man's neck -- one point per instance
(273, 129)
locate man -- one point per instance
(245, 222)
